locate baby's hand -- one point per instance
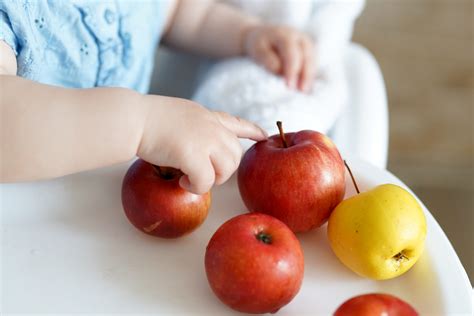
(204, 145)
(285, 51)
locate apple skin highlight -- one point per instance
(375, 304)
(300, 185)
(254, 263)
(378, 234)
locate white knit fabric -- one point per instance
(242, 88)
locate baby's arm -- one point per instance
(207, 28)
(218, 30)
(49, 131)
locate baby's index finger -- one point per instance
(242, 128)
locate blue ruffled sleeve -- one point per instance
(6, 30)
(7, 33)
(83, 43)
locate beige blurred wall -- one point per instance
(425, 50)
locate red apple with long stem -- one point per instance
(375, 304)
(155, 203)
(295, 177)
(254, 263)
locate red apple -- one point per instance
(254, 263)
(155, 203)
(295, 177)
(375, 305)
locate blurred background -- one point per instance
(426, 51)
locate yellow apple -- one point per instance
(380, 233)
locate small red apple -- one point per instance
(375, 305)
(254, 263)
(295, 177)
(155, 203)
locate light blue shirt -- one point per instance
(83, 44)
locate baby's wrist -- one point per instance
(136, 109)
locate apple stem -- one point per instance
(167, 173)
(282, 135)
(159, 171)
(264, 237)
(352, 177)
(400, 256)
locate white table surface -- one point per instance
(67, 247)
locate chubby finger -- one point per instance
(225, 163)
(226, 156)
(240, 127)
(309, 68)
(232, 144)
(266, 56)
(292, 60)
(199, 176)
